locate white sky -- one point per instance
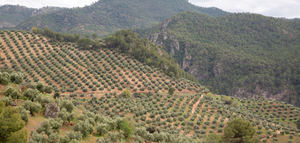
(43, 3)
(276, 8)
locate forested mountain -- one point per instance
(12, 15)
(107, 16)
(244, 55)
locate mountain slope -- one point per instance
(11, 15)
(244, 55)
(107, 16)
(71, 70)
(151, 117)
(29, 114)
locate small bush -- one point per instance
(126, 93)
(171, 91)
(227, 100)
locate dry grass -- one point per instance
(34, 123)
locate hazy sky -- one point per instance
(277, 8)
(42, 3)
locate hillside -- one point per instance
(71, 70)
(12, 15)
(107, 16)
(31, 114)
(137, 117)
(244, 55)
(103, 94)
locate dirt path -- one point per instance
(196, 104)
(34, 123)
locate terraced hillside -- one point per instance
(73, 71)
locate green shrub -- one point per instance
(31, 94)
(171, 91)
(48, 89)
(18, 137)
(84, 127)
(40, 87)
(101, 129)
(298, 124)
(127, 128)
(24, 114)
(16, 77)
(239, 130)
(67, 117)
(32, 107)
(11, 125)
(126, 93)
(68, 105)
(4, 78)
(38, 138)
(71, 137)
(227, 100)
(43, 99)
(53, 138)
(12, 92)
(115, 137)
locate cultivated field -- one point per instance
(199, 115)
(73, 71)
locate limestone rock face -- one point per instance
(51, 110)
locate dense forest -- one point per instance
(242, 55)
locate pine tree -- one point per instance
(11, 125)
